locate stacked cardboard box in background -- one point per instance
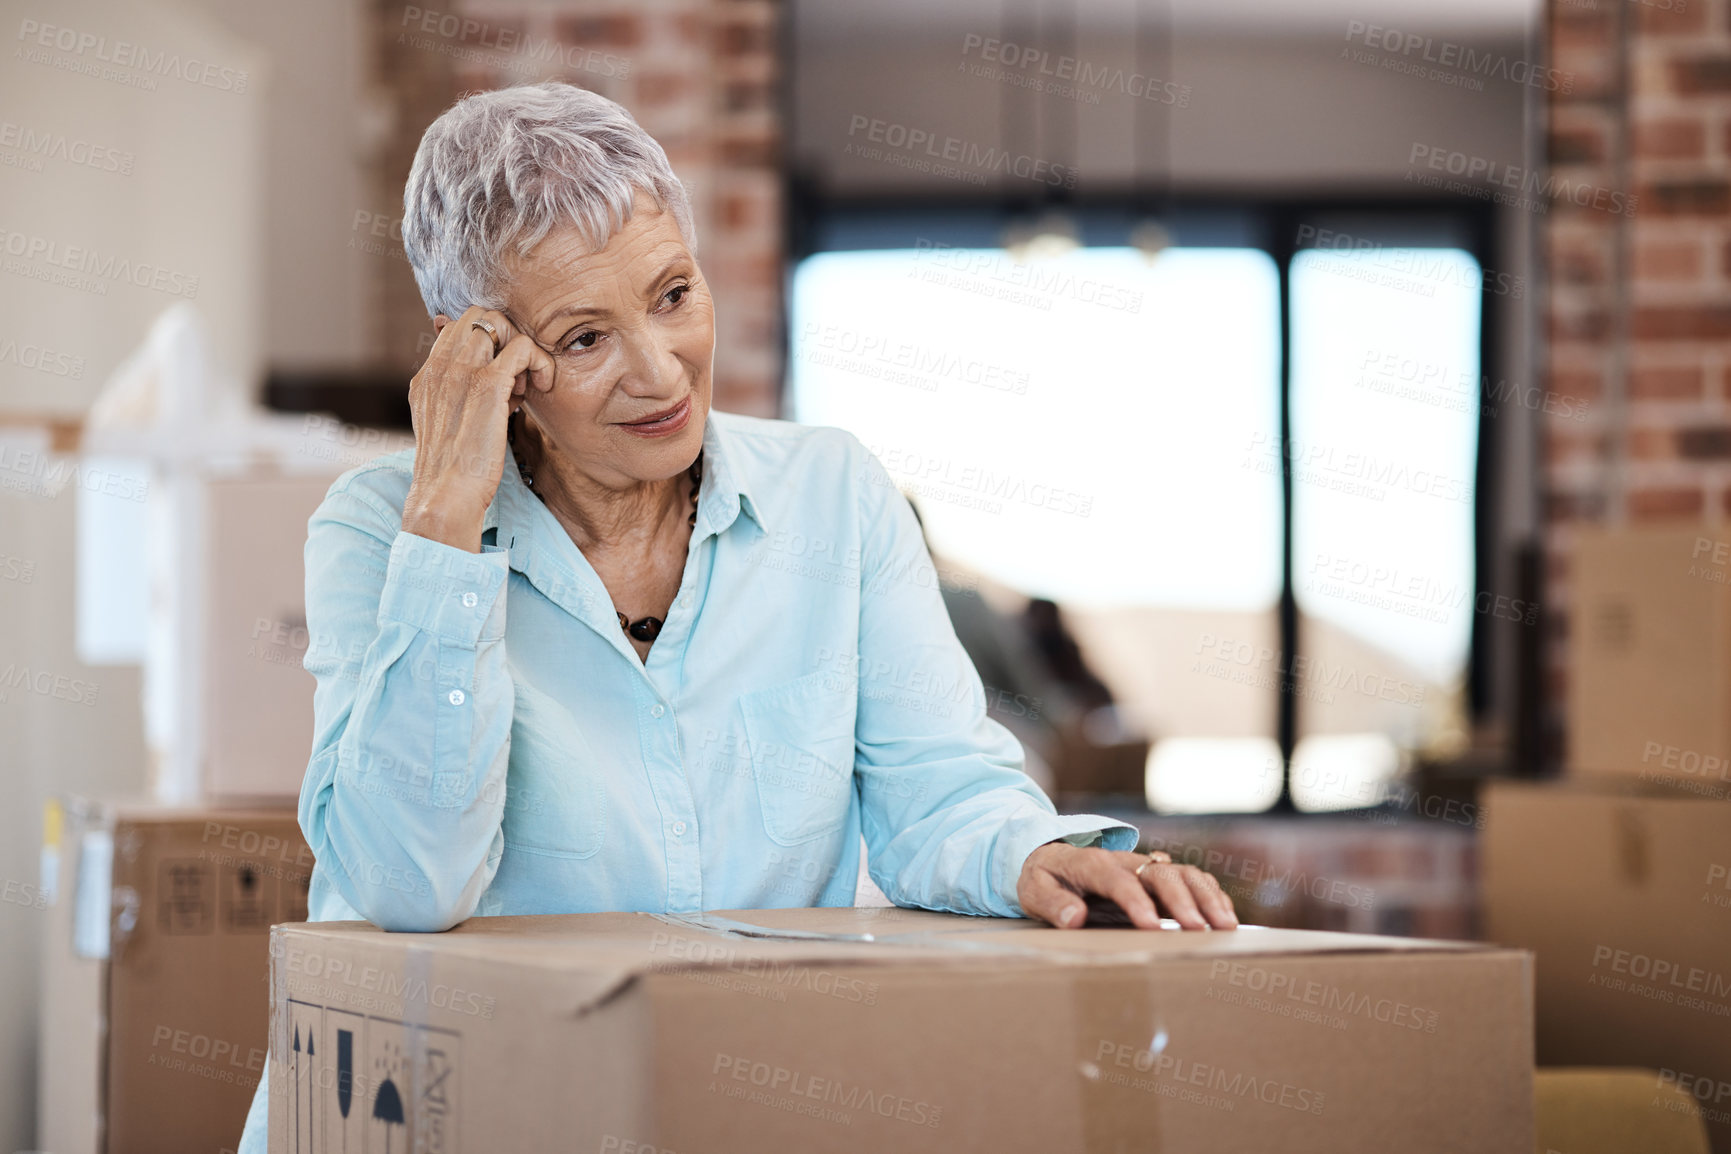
(1650, 659)
(1626, 903)
(1619, 876)
(155, 1005)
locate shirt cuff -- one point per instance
(1027, 833)
(449, 592)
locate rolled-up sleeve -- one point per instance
(948, 815)
(404, 796)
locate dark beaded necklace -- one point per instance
(644, 628)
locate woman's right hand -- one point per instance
(460, 403)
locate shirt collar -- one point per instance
(516, 513)
(725, 493)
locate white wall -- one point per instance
(251, 186)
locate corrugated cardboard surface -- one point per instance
(788, 1030)
(164, 1040)
(1626, 903)
(1650, 657)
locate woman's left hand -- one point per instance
(1058, 880)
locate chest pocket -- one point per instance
(800, 737)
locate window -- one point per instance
(1101, 427)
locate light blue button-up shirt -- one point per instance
(486, 741)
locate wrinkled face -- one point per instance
(632, 331)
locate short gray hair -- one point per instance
(498, 171)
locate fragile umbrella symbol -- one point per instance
(388, 1108)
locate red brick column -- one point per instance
(1639, 264)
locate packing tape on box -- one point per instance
(1632, 845)
(728, 927)
(1120, 1049)
(948, 942)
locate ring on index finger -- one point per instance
(492, 333)
(1157, 857)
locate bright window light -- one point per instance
(1343, 771)
(1213, 774)
(1385, 411)
(1075, 428)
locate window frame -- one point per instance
(1268, 223)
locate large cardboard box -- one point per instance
(258, 711)
(1650, 657)
(155, 1003)
(1625, 901)
(888, 1029)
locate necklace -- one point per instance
(644, 628)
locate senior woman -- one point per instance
(574, 651)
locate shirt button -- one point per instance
(470, 600)
(678, 829)
(457, 697)
(685, 601)
(657, 710)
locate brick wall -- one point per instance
(1639, 236)
(699, 75)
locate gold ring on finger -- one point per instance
(1157, 857)
(492, 333)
